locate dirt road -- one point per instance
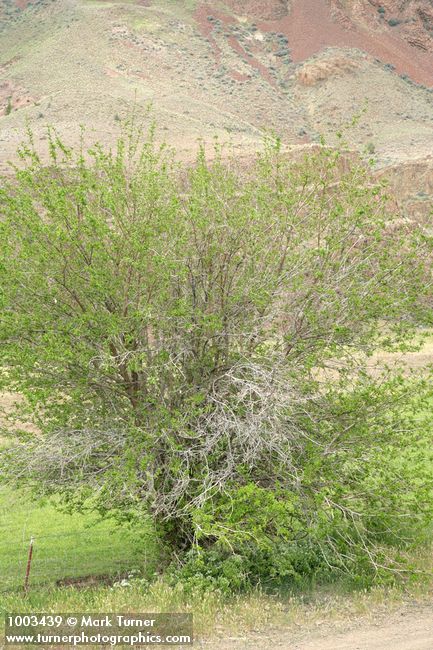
(411, 632)
(403, 630)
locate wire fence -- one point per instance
(67, 549)
(91, 564)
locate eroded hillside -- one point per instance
(232, 69)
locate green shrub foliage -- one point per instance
(191, 341)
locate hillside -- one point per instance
(231, 69)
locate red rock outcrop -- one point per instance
(409, 20)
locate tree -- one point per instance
(184, 334)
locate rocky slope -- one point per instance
(231, 68)
(409, 20)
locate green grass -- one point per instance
(66, 547)
(215, 615)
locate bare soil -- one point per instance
(406, 629)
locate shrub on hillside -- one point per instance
(191, 342)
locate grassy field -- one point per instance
(68, 549)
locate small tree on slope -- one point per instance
(187, 335)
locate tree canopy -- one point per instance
(191, 340)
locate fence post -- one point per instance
(29, 564)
